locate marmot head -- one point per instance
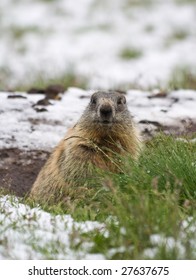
(107, 109)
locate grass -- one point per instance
(148, 210)
(126, 4)
(91, 28)
(130, 53)
(132, 3)
(4, 73)
(41, 81)
(155, 197)
(149, 28)
(183, 77)
(67, 79)
(48, 1)
(177, 36)
(185, 1)
(17, 32)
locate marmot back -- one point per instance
(104, 132)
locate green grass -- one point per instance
(182, 77)
(132, 3)
(149, 28)
(186, 1)
(67, 79)
(153, 196)
(130, 53)
(4, 81)
(177, 36)
(92, 28)
(48, 1)
(17, 32)
(40, 81)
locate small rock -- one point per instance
(151, 122)
(43, 102)
(36, 91)
(16, 96)
(175, 100)
(158, 95)
(52, 91)
(83, 96)
(39, 110)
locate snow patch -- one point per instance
(35, 234)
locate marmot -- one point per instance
(104, 133)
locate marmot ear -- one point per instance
(93, 100)
(124, 99)
(121, 100)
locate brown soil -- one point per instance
(18, 169)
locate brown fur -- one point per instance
(104, 132)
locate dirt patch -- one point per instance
(185, 128)
(18, 169)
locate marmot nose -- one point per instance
(106, 112)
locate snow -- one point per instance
(23, 229)
(19, 131)
(171, 243)
(59, 36)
